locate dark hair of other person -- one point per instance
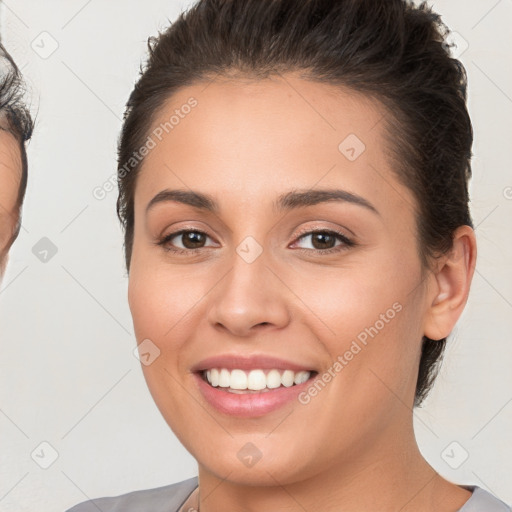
(15, 118)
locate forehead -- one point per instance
(248, 139)
(10, 176)
(10, 170)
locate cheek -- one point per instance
(348, 300)
(368, 317)
(160, 300)
(160, 306)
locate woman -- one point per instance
(16, 127)
(293, 189)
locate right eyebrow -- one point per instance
(190, 198)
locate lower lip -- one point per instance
(249, 405)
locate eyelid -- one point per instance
(347, 242)
(173, 230)
(316, 229)
(164, 239)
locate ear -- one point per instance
(449, 285)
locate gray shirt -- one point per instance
(171, 497)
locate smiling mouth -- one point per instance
(254, 381)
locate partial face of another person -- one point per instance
(265, 280)
(10, 179)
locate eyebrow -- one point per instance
(289, 201)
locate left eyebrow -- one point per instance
(304, 198)
(290, 200)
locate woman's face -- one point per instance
(10, 178)
(251, 288)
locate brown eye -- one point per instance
(193, 239)
(324, 241)
(184, 241)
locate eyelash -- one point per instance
(347, 243)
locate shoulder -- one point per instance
(160, 499)
(483, 501)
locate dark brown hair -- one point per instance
(389, 50)
(15, 118)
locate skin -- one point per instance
(10, 176)
(352, 447)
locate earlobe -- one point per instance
(450, 285)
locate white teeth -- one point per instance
(301, 377)
(255, 380)
(273, 379)
(238, 379)
(214, 377)
(287, 378)
(224, 378)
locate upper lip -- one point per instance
(253, 362)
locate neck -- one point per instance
(387, 475)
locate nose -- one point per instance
(250, 297)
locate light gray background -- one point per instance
(68, 374)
